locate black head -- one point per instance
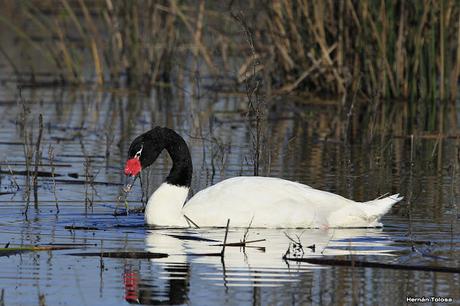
(145, 148)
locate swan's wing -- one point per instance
(268, 201)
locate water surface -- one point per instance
(90, 131)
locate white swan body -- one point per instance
(268, 202)
(259, 201)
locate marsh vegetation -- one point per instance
(355, 97)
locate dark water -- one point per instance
(90, 130)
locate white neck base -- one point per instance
(164, 207)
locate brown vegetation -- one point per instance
(374, 51)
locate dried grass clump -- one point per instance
(371, 50)
(398, 49)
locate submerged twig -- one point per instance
(136, 255)
(246, 232)
(191, 221)
(297, 247)
(137, 210)
(123, 196)
(33, 248)
(367, 264)
(244, 242)
(13, 177)
(225, 239)
(84, 228)
(241, 243)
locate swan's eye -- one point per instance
(138, 153)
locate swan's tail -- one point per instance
(363, 214)
(377, 208)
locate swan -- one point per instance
(264, 202)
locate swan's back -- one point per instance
(274, 202)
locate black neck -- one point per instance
(182, 169)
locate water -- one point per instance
(90, 131)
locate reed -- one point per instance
(26, 139)
(13, 178)
(89, 178)
(373, 52)
(41, 299)
(38, 157)
(376, 40)
(51, 163)
(255, 99)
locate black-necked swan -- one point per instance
(269, 202)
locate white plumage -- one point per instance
(268, 202)
(256, 201)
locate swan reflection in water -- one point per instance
(190, 272)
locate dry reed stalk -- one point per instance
(87, 166)
(294, 29)
(10, 62)
(316, 64)
(71, 13)
(246, 232)
(13, 177)
(281, 41)
(41, 299)
(410, 187)
(27, 39)
(406, 49)
(440, 131)
(49, 26)
(256, 104)
(152, 24)
(455, 74)
(320, 36)
(97, 63)
(354, 14)
(198, 28)
(27, 152)
(72, 64)
(69, 63)
(441, 49)
(382, 47)
(115, 42)
(340, 39)
(222, 253)
(38, 157)
(88, 177)
(399, 55)
(95, 43)
(199, 44)
(196, 92)
(384, 74)
(134, 38)
(418, 37)
(51, 159)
